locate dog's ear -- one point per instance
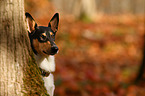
(54, 22)
(31, 24)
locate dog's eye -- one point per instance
(52, 35)
(43, 37)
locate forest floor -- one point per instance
(100, 58)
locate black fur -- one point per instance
(39, 30)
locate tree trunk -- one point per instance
(19, 75)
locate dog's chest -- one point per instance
(46, 63)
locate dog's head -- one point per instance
(43, 38)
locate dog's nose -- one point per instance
(54, 49)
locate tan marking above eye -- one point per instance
(51, 33)
(44, 34)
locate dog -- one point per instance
(43, 44)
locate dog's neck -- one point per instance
(46, 63)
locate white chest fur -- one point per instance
(49, 84)
(47, 64)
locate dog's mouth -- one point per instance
(45, 52)
(51, 53)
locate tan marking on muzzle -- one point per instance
(40, 47)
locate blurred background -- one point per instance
(101, 45)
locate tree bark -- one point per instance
(19, 75)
